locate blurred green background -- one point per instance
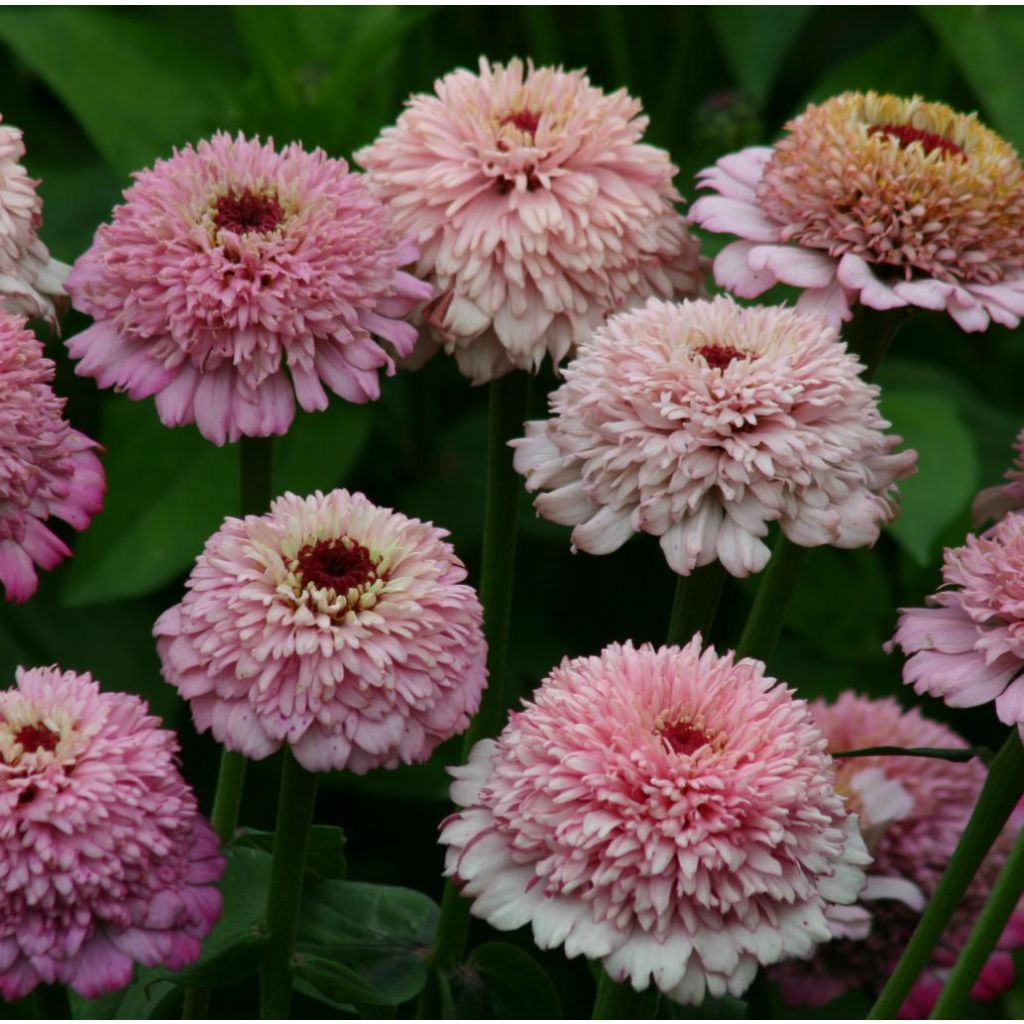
(101, 92)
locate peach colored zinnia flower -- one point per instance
(537, 208)
(880, 200)
(668, 811)
(912, 812)
(104, 859)
(342, 629)
(968, 647)
(994, 502)
(47, 469)
(235, 280)
(29, 279)
(701, 423)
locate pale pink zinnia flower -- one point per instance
(701, 423)
(29, 279)
(912, 812)
(994, 502)
(104, 859)
(47, 469)
(880, 200)
(236, 279)
(968, 647)
(342, 629)
(537, 208)
(668, 811)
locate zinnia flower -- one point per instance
(880, 200)
(104, 859)
(537, 208)
(29, 279)
(968, 647)
(702, 422)
(912, 812)
(236, 279)
(668, 811)
(47, 469)
(994, 502)
(340, 628)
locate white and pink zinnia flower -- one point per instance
(880, 200)
(104, 860)
(968, 647)
(668, 811)
(30, 280)
(236, 280)
(912, 812)
(701, 423)
(537, 208)
(47, 469)
(342, 629)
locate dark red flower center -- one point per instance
(247, 212)
(684, 737)
(720, 356)
(906, 134)
(339, 565)
(37, 736)
(525, 120)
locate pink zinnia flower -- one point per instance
(29, 279)
(968, 648)
(104, 859)
(880, 200)
(236, 279)
(47, 469)
(340, 628)
(668, 811)
(701, 423)
(994, 502)
(537, 208)
(912, 812)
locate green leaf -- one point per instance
(515, 985)
(381, 933)
(986, 43)
(337, 984)
(135, 87)
(947, 476)
(325, 857)
(755, 41)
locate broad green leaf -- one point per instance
(755, 41)
(135, 87)
(986, 43)
(337, 984)
(514, 985)
(947, 476)
(381, 933)
(325, 857)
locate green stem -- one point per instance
(696, 601)
(987, 931)
(955, 754)
(1003, 788)
(291, 838)
(50, 1002)
(764, 624)
(870, 334)
(619, 1001)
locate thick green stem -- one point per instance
(1003, 788)
(764, 624)
(620, 1001)
(291, 838)
(696, 602)
(955, 754)
(50, 1002)
(988, 929)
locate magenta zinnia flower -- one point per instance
(47, 469)
(537, 208)
(702, 422)
(340, 628)
(104, 859)
(968, 648)
(994, 502)
(912, 812)
(880, 200)
(29, 279)
(670, 812)
(236, 279)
